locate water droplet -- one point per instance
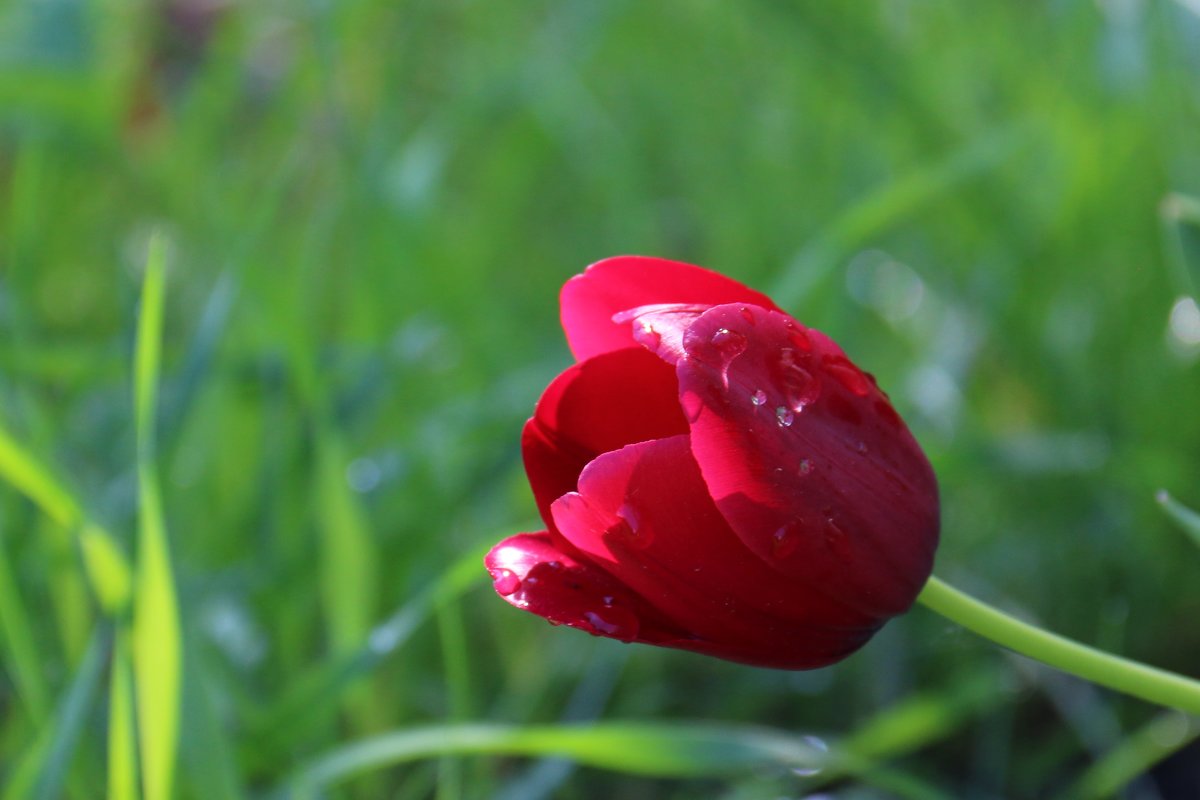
(759, 397)
(784, 417)
(630, 527)
(748, 315)
(837, 540)
(799, 339)
(799, 386)
(847, 374)
(645, 335)
(888, 414)
(554, 565)
(785, 541)
(506, 581)
(820, 750)
(616, 623)
(805, 466)
(608, 599)
(729, 344)
(861, 448)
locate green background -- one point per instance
(368, 209)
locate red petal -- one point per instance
(643, 514)
(599, 405)
(608, 287)
(806, 459)
(531, 573)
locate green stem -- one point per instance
(1155, 685)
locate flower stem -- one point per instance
(1133, 678)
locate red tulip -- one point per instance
(716, 477)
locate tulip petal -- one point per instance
(599, 405)
(532, 573)
(609, 287)
(644, 515)
(807, 460)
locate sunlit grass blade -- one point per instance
(1187, 519)
(43, 771)
(122, 736)
(157, 641)
(676, 750)
(107, 568)
(911, 724)
(1136, 753)
(887, 206)
(925, 718)
(348, 581)
(21, 469)
(316, 695)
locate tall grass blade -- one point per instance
(106, 566)
(1181, 216)
(315, 695)
(640, 748)
(25, 664)
(43, 770)
(122, 736)
(157, 642)
(1187, 519)
(887, 206)
(1136, 753)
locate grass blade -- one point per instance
(315, 696)
(157, 643)
(348, 582)
(42, 772)
(106, 566)
(1137, 752)
(122, 744)
(653, 749)
(17, 636)
(1181, 216)
(887, 206)
(1187, 519)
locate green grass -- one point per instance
(254, 555)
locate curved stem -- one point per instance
(1133, 678)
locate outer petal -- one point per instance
(643, 514)
(608, 287)
(807, 460)
(599, 405)
(531, 573)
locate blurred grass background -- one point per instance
(367, 209)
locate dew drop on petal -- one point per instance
(630, 527)
(748, 315)
(785, 541)
(847, 374)
(799, 339)
(729, 344)
(784, 417)
(759, 397)
(645, 335)
(617, 623)
(800, 388)
(505, 581)
(837, 540)
(805, 466)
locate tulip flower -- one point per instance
(715, 476)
